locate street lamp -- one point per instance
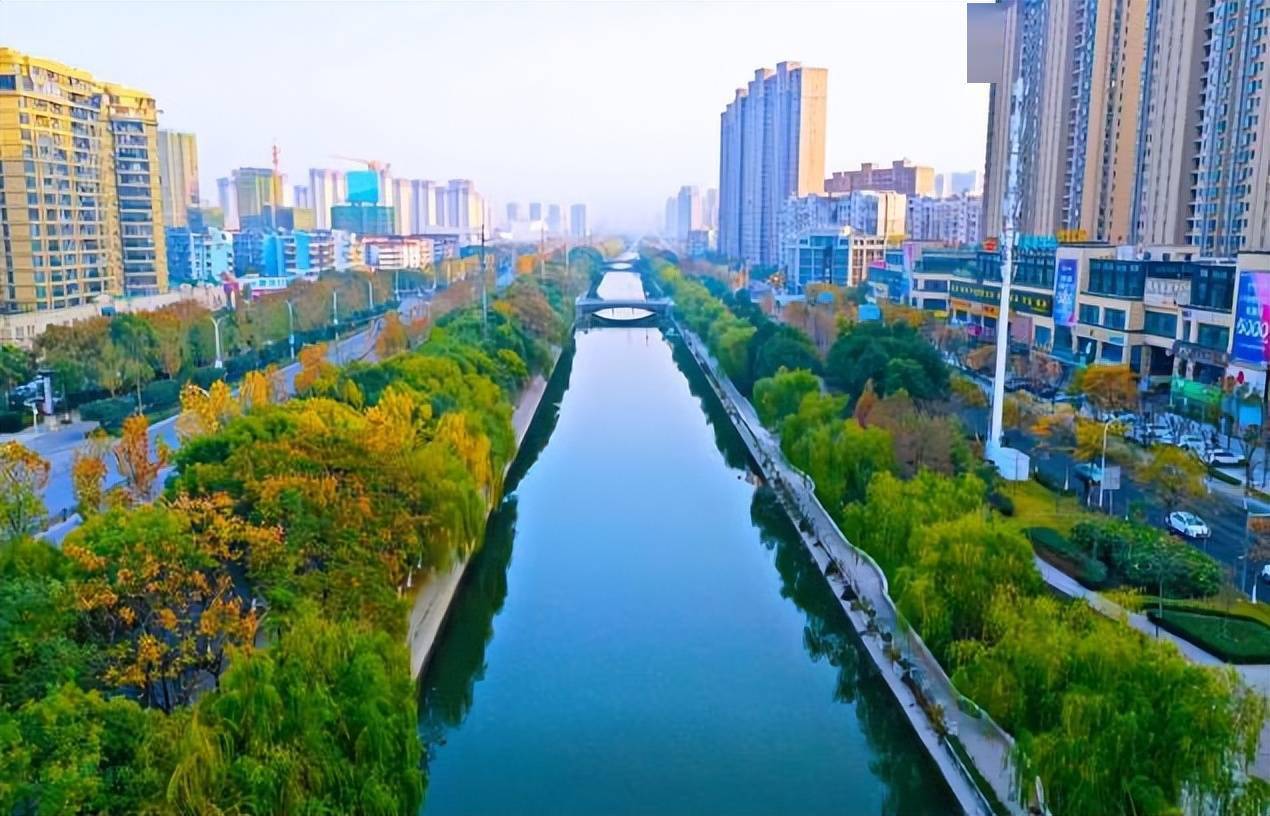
(370, 294)
(1102, 475)
(335, 307)
(291, 328)
(219, 362)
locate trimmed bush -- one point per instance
(109, 412)
(14, 421)
(1057, 551)
(161, 394)
(1002, 503)
(1232, 638)
(204, 377)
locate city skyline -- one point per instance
(237, 118)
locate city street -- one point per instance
(59, 445)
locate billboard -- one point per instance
(363, 187)
(1065, 292)
(1252, 318)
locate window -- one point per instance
(1113, 318)
(1112, 353)
(1161, 324)
(1212, 336)
(8, 82)
(1089, 314)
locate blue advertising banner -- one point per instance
(1065, 292)
(1252, 319)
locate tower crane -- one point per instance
(371, 164)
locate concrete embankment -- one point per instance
(436, 594)
(862, 590)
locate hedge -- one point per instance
(1232, 638)
(14, 421)
(1058, 552)
(1050, 483)
(110, 412)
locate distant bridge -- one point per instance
(585, 306)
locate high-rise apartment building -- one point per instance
(253, 192)
(178, 175)
(227, 199)
(671, 226)
(688, 210)
(953, 220)
(555, 219)
(710, 209)
(423, 194)
(772, 146)
(513, 212)
(577, 221)
(404, 213)
(965, 183)
(1079, 63)
(326, 189)
(301, 198)
(83, 155)
(535, 211)
(901, 177)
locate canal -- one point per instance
(642, 632)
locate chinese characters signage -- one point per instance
(1065, 293)
(1252, 318)
(1020, 301)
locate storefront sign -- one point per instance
(1182, 388)
(1252, 318)
(1065, 292)
(1166, 292)
(1200, 354)
(1020, 301)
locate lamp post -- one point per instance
(291, 328)
(370, 294)
(1102, 474)
(335, 307)
(219, 362)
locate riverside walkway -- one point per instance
(852, 572)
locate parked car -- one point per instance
(1088, 472)
(1187, 524)
(1265, 573)
(1220, 457)
(1194, 443)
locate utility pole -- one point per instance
(542, 251)
(1007, 268)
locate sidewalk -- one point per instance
(1255, 676)
(852, 573)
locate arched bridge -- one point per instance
(590, 305)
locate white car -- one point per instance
(1265, 573)
(1193, 443)
(1222, 458)
(1188, 524)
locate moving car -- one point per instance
(1187, 524)
(1222, 458)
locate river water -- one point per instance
(642, 632)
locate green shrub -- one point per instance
(161, 394)
(14, 421)
(1002, 503)
(1056, 550)
(109, 412)
(1050, 483)
(204, 377)
(1232, 638)
(1144, 556)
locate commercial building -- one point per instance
(178, 176)
(83, 155)
(772, 146)
(834, 256)
(578, 227)
(391, 254)
(363, 219)
(901, 177)
(688, 212)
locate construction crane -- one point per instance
(371, 164)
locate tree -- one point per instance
(779, 396)
(893, 356)
(920, 440)
(392, 338)
(1108, 388)
(88, 477)
(16, 366)
(1252, 439)
(132, 459)
(207, 411)
(135, 340)
(314, 368)
(1175, 473)
(23, 477)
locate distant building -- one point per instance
(363, 219)
(326, 189)
(700, 242)
(839, 257)
(688, 209)
(967, 183)
(874, 212)
(555, 219)
(178, 175)
(203, 256)
(953, 220)
(866, 212)
(301, 198)
(513, 213)
(227, 198)
(535, 211)
(901, 177)
(772, 146)
(405, 220)
(253, 192)
(710, 209)
(577, 221)
(671, 227)
(392, 254)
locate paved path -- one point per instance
(1255, 676)
(848, 568)
(436, 592)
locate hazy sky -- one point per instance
(612, 104)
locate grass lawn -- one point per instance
(1234, 639)
(1035, 506)
(1243, 608)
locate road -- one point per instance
(58, 446)
(1223, 508)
